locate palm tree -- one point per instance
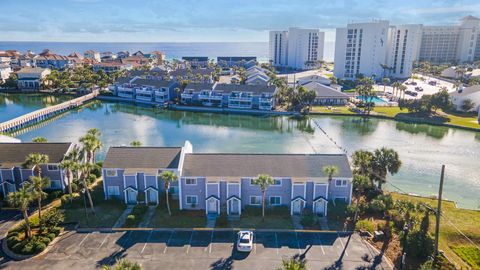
(385, 81)
(294, 263)
(136, 144)
(263, 181)
(86, 168)
(395, 86)
(362, 162)
(123, 264)
(39, 140)
(69, 166)
(168, 177)
(385, 161)
(21, 200)
(330, 171)
(91, 144)
(38, 184)
(402, 89)
(34, 161)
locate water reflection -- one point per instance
(436, 132)
(360, 125)
(14, 105)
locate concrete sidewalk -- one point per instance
(121, 220)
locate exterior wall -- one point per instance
(195, 190)
(113, 181)
(278, 47)
(340, 192)
(247, 190)
(404, 45)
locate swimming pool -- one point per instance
(375, 100)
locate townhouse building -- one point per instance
(93, 55)
(199, 75)
(148, 90)
(242, 96)
(198, 94)
(110, 67)
(5, 69)
(30, 79)
(12, 157)
(223, 182)
(238, 61)
(196, 61)
(48, 59)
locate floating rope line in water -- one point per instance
(344, 150)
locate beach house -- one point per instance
(327, 95)
(147, 90)
(30, 79)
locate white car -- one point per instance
(245, 241)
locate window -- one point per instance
(51, 167)
(111, 173)
(113, 190)
(190, 181)
(252, 180)
(277, 182)
(55, 184)
(341, 183)
(255, 200)
(275, 200)
(191, 199)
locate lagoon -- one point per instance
(422, 148)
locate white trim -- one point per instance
(342, 181)
(270, 197)
(191, 178)
(351, 190)
(124, 188)
(1, 182)
(180, 194)
(212, 183)
(304, 184)
(340, 198)
(190, 204)
(21, 174)
(250, 200)
(320, 184)
(110, 170)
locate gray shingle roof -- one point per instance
(324, 91)
(153, 82)
(234, 166)
(14, 154)
(200, 86)
(255, 89)
(192, 72)
(143, 157)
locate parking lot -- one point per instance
(205, 249)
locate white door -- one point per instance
(131, 196)
(296, 206)
(212, 206)
(234, 209)
(320, 208)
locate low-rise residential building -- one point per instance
(136, 60)
(147, 90)
(196, 61)
(5, 69)
(30, 79)
(48, 59)
(241, 96)
(13, 172)
(193, 91)
(327, 95)
(237, 61)
(107, 56)
(123, 54)
(199, 75)
(93, 55)
(27, 59)
(223, 182)
(110, 67)
(14, 56)
(471, 93)
(156, 57)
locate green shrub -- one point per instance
(130, 221)
(96, 170)
(39, 247)
(45, 240)
(377, 206)
(222, 221)
(12, 233)
(365, 225)
(55, 194)
(52, 218)
(308, 220)
(12, 240)
(17, 248)
(51, 236)
(28, 248)
(56, 230)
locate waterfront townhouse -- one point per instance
(148, 90)
(30, 79)
(223, 182)
(238, 61)
(131, 174)
(327, 95)
(27, 59)
(240, 96)
(199, 94)
(48, 59)
(12, 157)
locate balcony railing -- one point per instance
(239, 98)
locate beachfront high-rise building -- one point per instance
(403, 49)
(361, 48)
(296, 48)
(456, 43)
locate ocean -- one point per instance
(171, 49)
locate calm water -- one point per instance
(13, 105)
(172, 49)
(422, 148)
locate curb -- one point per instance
(85, 230)
(384, 256)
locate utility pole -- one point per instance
(439, 210)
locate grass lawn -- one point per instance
(332, 110)
(251, 218)
(107, 211)
(389, 111)
(179, 218)
(469, 254)
(467, 220)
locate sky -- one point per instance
(208, 20)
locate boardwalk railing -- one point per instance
(45, 113)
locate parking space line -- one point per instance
(320, 241)
(83, 240)
(104, 239)
(168, 242)
(254, 244)
(343, 245)
(211, 244)
(276, 243)
(190, 242)
(148, 239)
